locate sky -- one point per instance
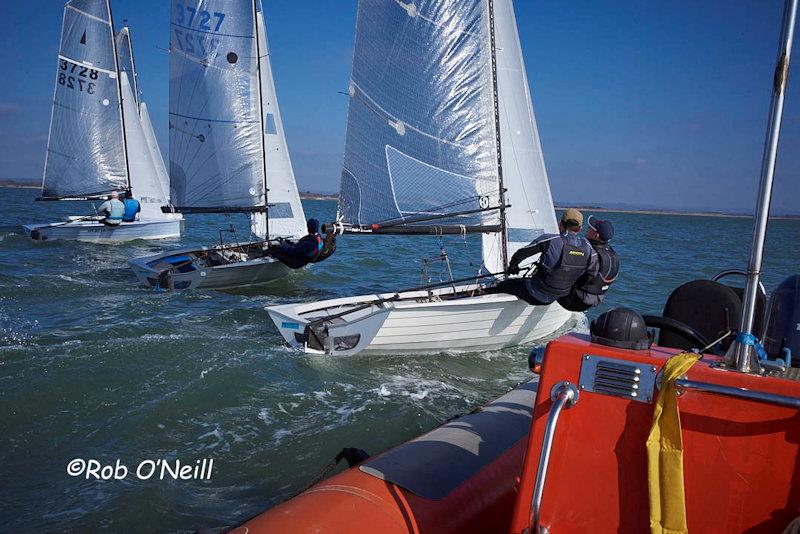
(641, 104)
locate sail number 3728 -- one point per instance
(77, 76)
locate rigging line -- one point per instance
(386, 116)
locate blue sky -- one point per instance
(657, 104)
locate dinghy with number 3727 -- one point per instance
(430, 109)
(228, 152)
(101, 138)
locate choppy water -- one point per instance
(93, 366)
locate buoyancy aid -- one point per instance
(318, 249)
(609, 269)
(574, 261)
(116, 211)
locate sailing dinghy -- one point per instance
(228, 152)
(431, 106)
(101, 138)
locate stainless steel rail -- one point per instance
(739, 393)
(564, 395)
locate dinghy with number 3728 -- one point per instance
(423, 156)
(101, 139)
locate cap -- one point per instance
(572, 214)
(604, 228)
(313, 226)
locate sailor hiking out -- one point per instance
(113, 210)
(306, 250)
(565, 258)
(590, 290)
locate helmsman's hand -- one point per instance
(512, 269)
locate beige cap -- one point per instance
(572, 215)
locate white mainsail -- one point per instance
(216, 148)
(421, 140)
(286, 217)
(422, 133)
(524, 175)
(86, 146)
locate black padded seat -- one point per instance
(709, 307)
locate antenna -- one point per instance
(742, 355)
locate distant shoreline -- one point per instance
(678, 213)
(17, 185)
(308, 195)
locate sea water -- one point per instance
(95, 367)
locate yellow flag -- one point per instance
(665, 453)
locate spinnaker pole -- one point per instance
(742, 355)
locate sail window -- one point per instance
(281, 210)
(269, 124)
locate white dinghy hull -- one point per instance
(194, 272)
(95, 232)
(415, 323)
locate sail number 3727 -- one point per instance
(190, 17)
(77, 77)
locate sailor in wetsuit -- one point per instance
(114, 209)
(305, 251)
(590, 290)
(565, 257)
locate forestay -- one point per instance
(421, 138)
(286, 217)
(86, 147)
(216, 145)
(531, 212)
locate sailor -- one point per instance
(114, 209)
(305, 251)
(132, 208)
(590, 290)
(565, 257)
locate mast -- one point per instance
(742, 355)
(261, 112)
(119, 92)
(496, 99)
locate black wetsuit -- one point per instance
(564, 259)
(300, 254)
(590, 290)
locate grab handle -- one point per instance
(564, 395)
(739, 393)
